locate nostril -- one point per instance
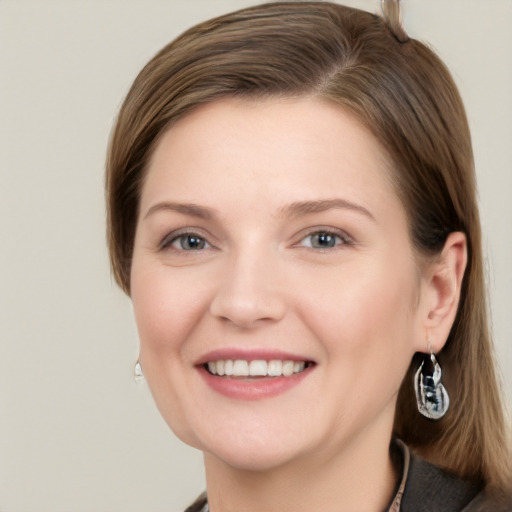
(250, 290)
(247, 312)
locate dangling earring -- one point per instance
(431, 396)
(138, 375)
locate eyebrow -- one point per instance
(305, 207)
(194, 210)
(293, 209)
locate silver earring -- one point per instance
(431, 396)
(138, 375)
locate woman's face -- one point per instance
(270, 240)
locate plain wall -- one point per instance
(76, 433)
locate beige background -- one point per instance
(76, 434)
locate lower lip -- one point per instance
(255, 388)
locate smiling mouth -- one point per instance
(256, 367)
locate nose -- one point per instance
(250, 292)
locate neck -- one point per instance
(359, 477)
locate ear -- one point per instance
(441, 291)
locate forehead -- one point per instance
(243, 146)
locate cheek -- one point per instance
(364, 309)
(165, 313)
(165, 308)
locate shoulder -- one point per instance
(485, 503)
(430, 488)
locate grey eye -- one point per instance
(189, 243)
(324, 240)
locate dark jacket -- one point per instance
(429, 489)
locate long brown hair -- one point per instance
(405, 95)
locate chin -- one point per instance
(246, 449)
(250, 458)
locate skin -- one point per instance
(358, 307)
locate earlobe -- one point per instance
(444, 284)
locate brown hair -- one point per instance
(405, 95)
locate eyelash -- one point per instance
(169, 240)
(338, 237)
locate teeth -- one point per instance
(258, 368)
(255, 368)
(228, 367)
(275, 368)
(240, 368)
(298, 366)
(287, 368)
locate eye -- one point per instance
(186, 242)
(324, 240)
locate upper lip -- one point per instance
(250, 355)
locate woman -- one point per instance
(291, 207)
